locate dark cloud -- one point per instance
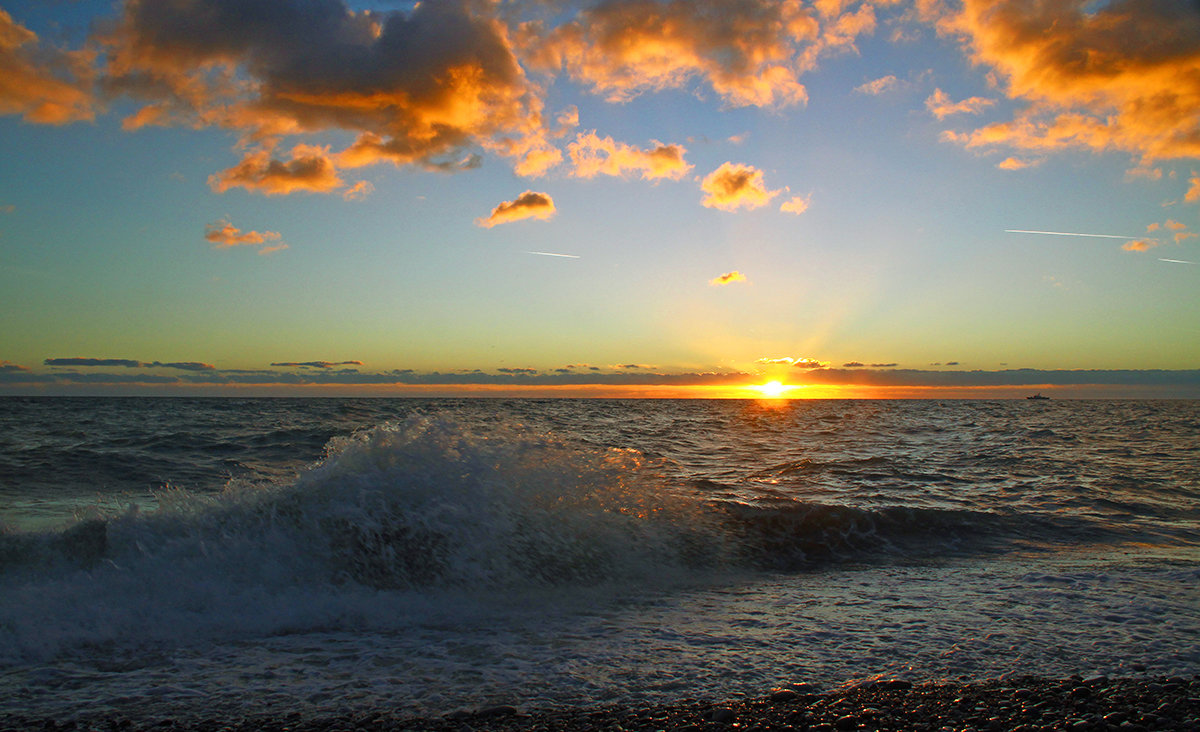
(316, 364)
(517, 371)
(128, 363)
(90, 362)
(529, 204)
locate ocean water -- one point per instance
(208, 557)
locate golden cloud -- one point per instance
(310, 169)
(1193, 194)
(795, 204)
(1124, 75)
(593, 155)
(224, 235)
(418, 87)
(527, 205)
(42, 85)
(733, 186)
(1140, 245)
(1012, 163)
(750, 52)
(728, 279)
(940, 106)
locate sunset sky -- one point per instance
(624, 197)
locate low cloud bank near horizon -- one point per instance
(320, 373)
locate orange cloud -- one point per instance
(592, 155)
(310, 169)
(795, 204)
(359, 191)
(1122, 75)
(728, 279)
(420, 87)
(224, 235)
(800, 363)
(733, 186)
(1193, 194)
(42, 85)
(940, 106)
(878, 86)
(1140, 245)
(749, 52)
(1012, 163)
(528, 205)
(1174, 225)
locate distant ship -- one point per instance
(1037, 396)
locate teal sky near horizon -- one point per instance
(918, 145)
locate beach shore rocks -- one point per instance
(1027, 704)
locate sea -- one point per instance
(219, 558)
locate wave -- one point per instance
(400, 512)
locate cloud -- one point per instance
(421, 86)
(1140, 245)
(74, 362)
(878, 86)
(728, 279)
(745, 51)
(592, 155)
(359, 191)
(310, 169)
(527, 205)
(43, 85)
(1012, 163)
(940, 106)
(316, 364)
(860, 365)
(800, 363)
(1193, 193)
(224, 234)
(517, 371)
(1121, 75)
(795, 204)
(733, 186)
(127, 363)
(8, 367)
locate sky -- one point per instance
(852, 198)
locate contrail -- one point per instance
(1176, 261)
(552, 254)
(1070, 233)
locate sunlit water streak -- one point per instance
(193, 557)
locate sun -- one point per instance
(772, 389)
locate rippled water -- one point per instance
(166, 556)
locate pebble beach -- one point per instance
(1025, 704)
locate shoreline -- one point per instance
(1020, 704)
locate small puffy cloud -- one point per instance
(8, 367)
(799, 363)
(593, 155)
(1150, 228)
(43, 85)
(1140, 245)
(529, 204)
(1013, 163)
(359, 191)
(1193, 194)
(878, 86)
(796, 205)
(1174, 225)
(733, 186)
(728, 279)
(940, 106)
(310, 169)
(224, 234)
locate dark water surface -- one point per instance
(162, 555)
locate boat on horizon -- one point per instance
(1037, 396)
